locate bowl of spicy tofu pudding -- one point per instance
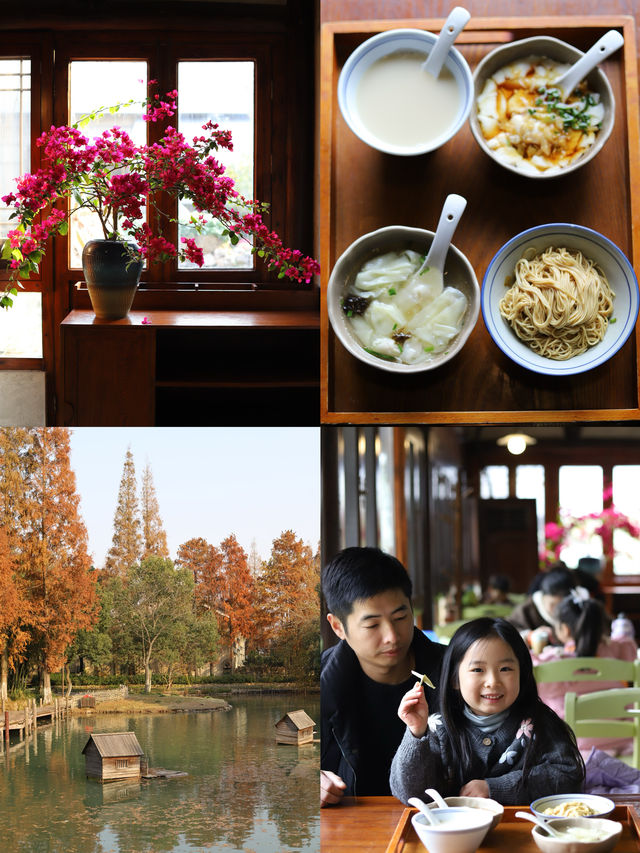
(525, 125)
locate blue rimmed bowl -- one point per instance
(593, 245)
(382, 45)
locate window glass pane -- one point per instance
(580, 493)
(15, 127)
(626, 560)
(103, 83)
(384, 489)
(21, 327)
(494, 482)
(221, 92)
(530, 484)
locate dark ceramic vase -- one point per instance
(112, 278)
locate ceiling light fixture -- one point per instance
(516, 442)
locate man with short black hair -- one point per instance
(364, 676)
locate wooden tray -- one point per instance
(513, 833)
(360, 189)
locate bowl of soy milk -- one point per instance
(392, 104)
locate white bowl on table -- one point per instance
(457, 270)
(385, 44)
(593, 245)
(599, 806)
(460, 830)
(609, 830)
(493, 807)
(561, 52)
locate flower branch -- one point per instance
(116, 179)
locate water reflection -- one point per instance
(243, 791)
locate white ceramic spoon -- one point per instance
(439, 800)
(452, 28)
(605, 46)
(424, 808)
(535, 819)
(431, 273)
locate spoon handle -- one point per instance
(604, 47)
(453, 26)
(452, 210)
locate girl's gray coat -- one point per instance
(427, 762)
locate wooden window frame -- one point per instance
(37, 47)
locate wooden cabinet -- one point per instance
(170, 368)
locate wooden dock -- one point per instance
(25, 720)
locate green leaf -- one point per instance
(7, 252)
(379, 354)
(17, 254)
(63, 227)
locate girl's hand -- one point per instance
(475, 788)
(414, 710)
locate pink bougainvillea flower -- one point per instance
(117, 180)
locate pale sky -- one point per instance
(210, 482)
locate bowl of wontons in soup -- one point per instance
(387, 316)
(528, 127)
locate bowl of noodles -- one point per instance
(559, 299)
(522, 122)
(572, 805)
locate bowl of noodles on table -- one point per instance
(559, 299)
(527, 126)
(572, 806)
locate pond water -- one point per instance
(243, 792)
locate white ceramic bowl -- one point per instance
(461, 830)
(602, 805)
(593, 245)
(492, 806)
(384, 44)
(559, 51)
(458, 273)
(611, 830)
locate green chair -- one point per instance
(588, 669)
(604, 714)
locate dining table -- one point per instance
(381, 825)
(359, 189)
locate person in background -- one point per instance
(538, 610)
(497, 590)
(364, 676)
(494, 737)
(582, 626)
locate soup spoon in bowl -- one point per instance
(535, 819)
(605, 46)
(452, 28)
(424, 808)
(431, 273)
(439, 801)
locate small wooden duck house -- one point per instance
(295, 727)
(113, 756)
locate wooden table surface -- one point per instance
(360, 190)
(368, 823)
(362, 10)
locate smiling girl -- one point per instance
(494, 737)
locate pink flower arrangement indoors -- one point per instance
(117, 179)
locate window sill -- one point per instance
(272, 319)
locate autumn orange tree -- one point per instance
(47, 548)
(13, 610)
(289, 610)
(13, 603)
(204, 561)
(55, 559)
